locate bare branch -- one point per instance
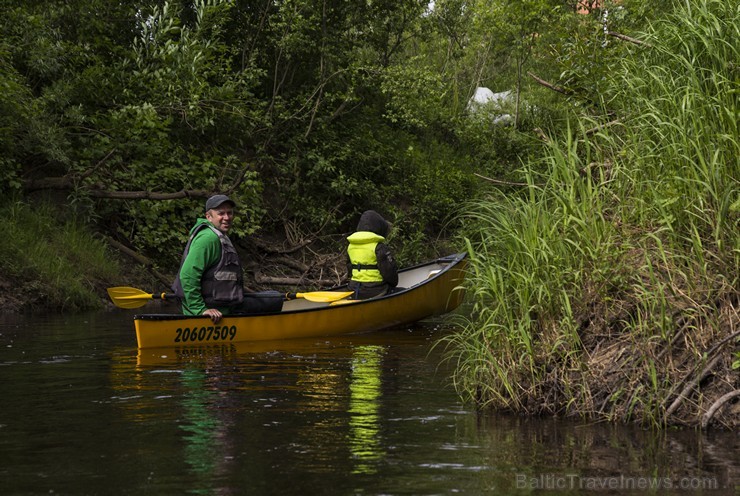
(291, 281)
(630, 39)
(498, 181)
(272, 248)
(550, 85)
(693, 382)
(601, 126)
(716, 406)
(65, 183)
(140, 259)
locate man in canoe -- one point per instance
(371, 267)
(210, 280)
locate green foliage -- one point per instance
(306, 112)
(315, 111)
(414, 95)
(14, 108)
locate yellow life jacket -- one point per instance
(361, 251)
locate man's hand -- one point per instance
(214, 314)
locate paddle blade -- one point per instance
(125, 297)
(325, 296)
(342, 302)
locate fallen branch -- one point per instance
(716, 406)
(293, 264)
(550, 85)
(498, 181)
(290, 281)
(601, 126)
(149, 195)
(272, 248)
(708, 353)
(70, 183)
(696, 380)
(140, 259)
(630, 39)
(724, 341)
(65, 183)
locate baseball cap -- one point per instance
(217, 200)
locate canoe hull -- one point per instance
(432, 289)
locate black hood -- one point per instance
(372, 221)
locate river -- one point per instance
(84, 412)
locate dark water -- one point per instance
(84, 413)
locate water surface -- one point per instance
(85, 412)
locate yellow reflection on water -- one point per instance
(345, 401)
(364, 406)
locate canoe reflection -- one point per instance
(341, 346)
(333, 388)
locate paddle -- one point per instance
(125, 297)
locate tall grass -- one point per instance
(682, 142)
(39, 246)
(619, 254)
(532, 257)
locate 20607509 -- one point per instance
(205, 333)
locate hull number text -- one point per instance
(199, 334)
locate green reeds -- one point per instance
(598, 285)
(529, 255)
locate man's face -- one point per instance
(221, 217)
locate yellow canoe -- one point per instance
(432, 288)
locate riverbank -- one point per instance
(608, 287)
(11, 300)
(49, 260)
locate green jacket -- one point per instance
(203, 254)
